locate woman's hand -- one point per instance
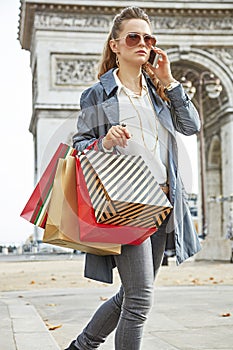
(163, 68)
(117, 136)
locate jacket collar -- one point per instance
(110, 86)
(108, 82)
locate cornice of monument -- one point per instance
(187, 4)
(80, 15)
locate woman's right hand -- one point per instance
(117, 136)
(163, 68)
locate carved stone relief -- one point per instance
(91, 22)
(193, 23)
(75, 22)
(225, 55)
(73, 70)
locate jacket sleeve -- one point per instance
(90, 124)
(184, 115)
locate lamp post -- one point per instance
(213, 88)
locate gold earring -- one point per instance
(117, 61)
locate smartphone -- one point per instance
(153, 59)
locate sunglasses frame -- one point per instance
(141, 36)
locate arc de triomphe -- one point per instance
(65, 39)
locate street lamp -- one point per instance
(188, 87)
(213, 88)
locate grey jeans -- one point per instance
(128, 309)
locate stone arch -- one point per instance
(201, 60)
(214, 154)
(214, 187)
(217, 128)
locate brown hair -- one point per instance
(108, 59)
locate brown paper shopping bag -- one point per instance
(62, 226)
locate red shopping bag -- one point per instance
(91, 231)
(35, 210)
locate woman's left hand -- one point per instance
(163, 67)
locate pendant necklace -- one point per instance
(140, 122)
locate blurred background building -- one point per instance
(65, 39)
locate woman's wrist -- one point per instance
(107, 144)
(168, 81)
(171, 85)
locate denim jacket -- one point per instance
(99, 111)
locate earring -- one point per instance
(117, 61)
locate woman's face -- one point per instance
(136, 55)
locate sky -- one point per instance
(16, 174)
(17, 161)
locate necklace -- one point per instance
(137, 87)
(140, 122)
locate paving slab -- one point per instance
(6, 339)
(26, 330)
(182, 318)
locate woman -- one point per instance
(136, 109)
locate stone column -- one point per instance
(220, 186)
(227, 166)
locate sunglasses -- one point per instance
(133, 39)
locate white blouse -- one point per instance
(148, 137)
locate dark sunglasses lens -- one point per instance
(149, 40)
(132, 39)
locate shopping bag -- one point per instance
(123, 191)
(35, 210)
(62, 225)
(92, 231)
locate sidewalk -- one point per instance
(21, 327)
(182, 318)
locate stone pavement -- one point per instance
(21, 327)
(182, 318)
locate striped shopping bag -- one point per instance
(35, 210)
(92, 231)
(123, 191)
